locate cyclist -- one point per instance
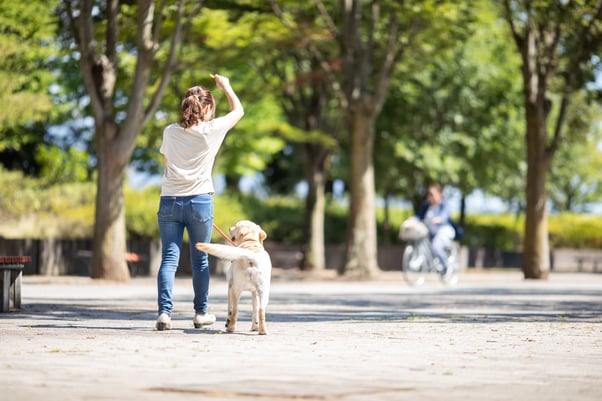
(435, 214)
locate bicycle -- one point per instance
(418, 259)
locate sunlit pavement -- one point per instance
(493, 336)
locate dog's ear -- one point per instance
(262, 235)
(233, 232)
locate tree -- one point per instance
(371, 39)
(306, 108)
(305, 101)
(291, 99)
(26, 45)
(107, 37)
(452, 116)
(557, 41)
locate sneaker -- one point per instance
(164, 322)
(203, 319)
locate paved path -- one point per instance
(494, 336)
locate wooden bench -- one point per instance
(11, 268)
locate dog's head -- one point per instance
(246, 230)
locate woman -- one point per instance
(436, 214)
(189, 149)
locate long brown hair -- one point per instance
(197, 106)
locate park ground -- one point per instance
(493, 336)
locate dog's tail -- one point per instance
(226, 251)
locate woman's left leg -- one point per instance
(171, 229)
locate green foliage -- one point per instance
(576, 173)
(58, 166)
(454, 116)
(141, 212)
(389, 234)
(281, 218)
(29, 208)
(17, 194)
(26, 43)
(503, 231)
(569, 230)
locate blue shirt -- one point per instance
(428, 212)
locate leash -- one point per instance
(223, 235)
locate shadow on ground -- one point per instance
(449, 305)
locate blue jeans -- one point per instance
(441, 241)
(195, 213)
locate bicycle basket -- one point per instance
(412, 230)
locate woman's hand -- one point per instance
(236, 109)
(221, 81)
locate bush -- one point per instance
(141, 212)
(568, 230)
(500, 231)
(506, 232)
(29, 208)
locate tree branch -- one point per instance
(112, 31)
(71, 21)
(588, 40)
(351, 48)
(367, 51)
(391, 58)
(146, 48)
(84, 34)
(329, 21)
(315, 52)
(171, 60)
(520, 41)
(557, 138)
(158, 21)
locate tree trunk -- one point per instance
(548, 64)
(232, 182)
(536, 259)
(387, 218)
(361, 254)
(462, 219)
(109, 245)
(315, 164)
(536, 252)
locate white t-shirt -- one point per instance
(190, 154)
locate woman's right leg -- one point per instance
(171, 229)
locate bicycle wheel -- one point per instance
(414, 264)
(451, 274)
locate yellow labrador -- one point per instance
(250, 270)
